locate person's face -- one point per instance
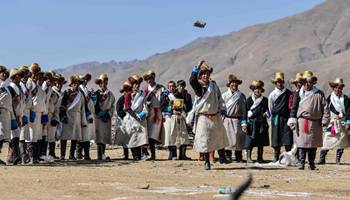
(85, 82)
(338, 90)
(103, 85)
(3, 76)
(280, 84)
(150, 81)
(205, 77)
(308, 85)
(16, 79)
(257, 92)
(59, 85)
(298, 84)
(136, 87)
(171, 87)
(233, 86)
(74, 86)
(180, 88)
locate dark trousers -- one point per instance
(101, 149)
(311, 153)
(136, 153)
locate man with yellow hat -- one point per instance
(175, 129)
(89, 130)
(235, 121)
(54, 105)
(337, 134)
(73, 117)
(17, 94)
(281, 135)
(305, 119)
(258, 128)
(209, 107)
(104, 111)
(7, 114)
(154, 119)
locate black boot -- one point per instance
(277, 152)
(99, 151)
(249, 156)
(44, 147)
(136, 152)
(288, 148)
(126, 153)
(170, 155)
(238, 156)
(63, 149)
(52, 147)
(260, 154)
(80, 148)
(32, 153)
(338, 157)
(302, 157)
(228, 154)
(104, 153)
(222, 157)
(73, 146)
(23, 152)
(86, 148)
(206, 161)
(323, 154)
(311, 157)
(182, 153)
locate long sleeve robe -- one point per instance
(54, 105)
(6, 112)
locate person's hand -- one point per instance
(200, 63)
(293, 126)
(347, 127)
(244, 129)
(90, 120)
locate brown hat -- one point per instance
(86, 77)
(135, 79)
(279, 76)
(3, 69)
(232, 78)
(50, 75)
(73, 79)
(298, 78)
(309, 76)
(24, 70)
(127, 86)
(203, 68)
(101, 78)
(257, 84)
(337, 82)
(149, 74)
(34, 68)
(15, 72)
(60, 79)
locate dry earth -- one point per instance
(121, 179)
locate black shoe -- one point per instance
(2, 162)
(62, 158)
(17, 160)
(312, 167)
(207, 166)
(223, 160)
(72, 158)
(87, 158)
(301, 166)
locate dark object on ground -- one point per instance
(199, 24)
(239, 191)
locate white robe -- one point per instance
(6, 112)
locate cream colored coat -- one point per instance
(233, 125)
(38, 106)
(72, 130)
(104, 129)
(89, 130)
(26, 104)
(210, 133)
(54, 104)
(6, 112)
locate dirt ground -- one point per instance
(121, 180)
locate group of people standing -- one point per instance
(35, 113)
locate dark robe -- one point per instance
(280, 132)
(120, 107)
(258, 128)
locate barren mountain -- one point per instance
(317, 40)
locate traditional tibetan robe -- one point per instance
(36, 110)
(74, 111)
(54, 111)
(281, 134)
(121, 137)
(338, 109)
(135, 128)
(175, 129)
(236, 116)
(307, 113)
(46, 114)
(105, 103)
(6, 112)
(154, 119)
(210, 133)
(89, 130)
(258, 128)
(26, 104)
(17, 95)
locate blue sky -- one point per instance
(59, 33)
